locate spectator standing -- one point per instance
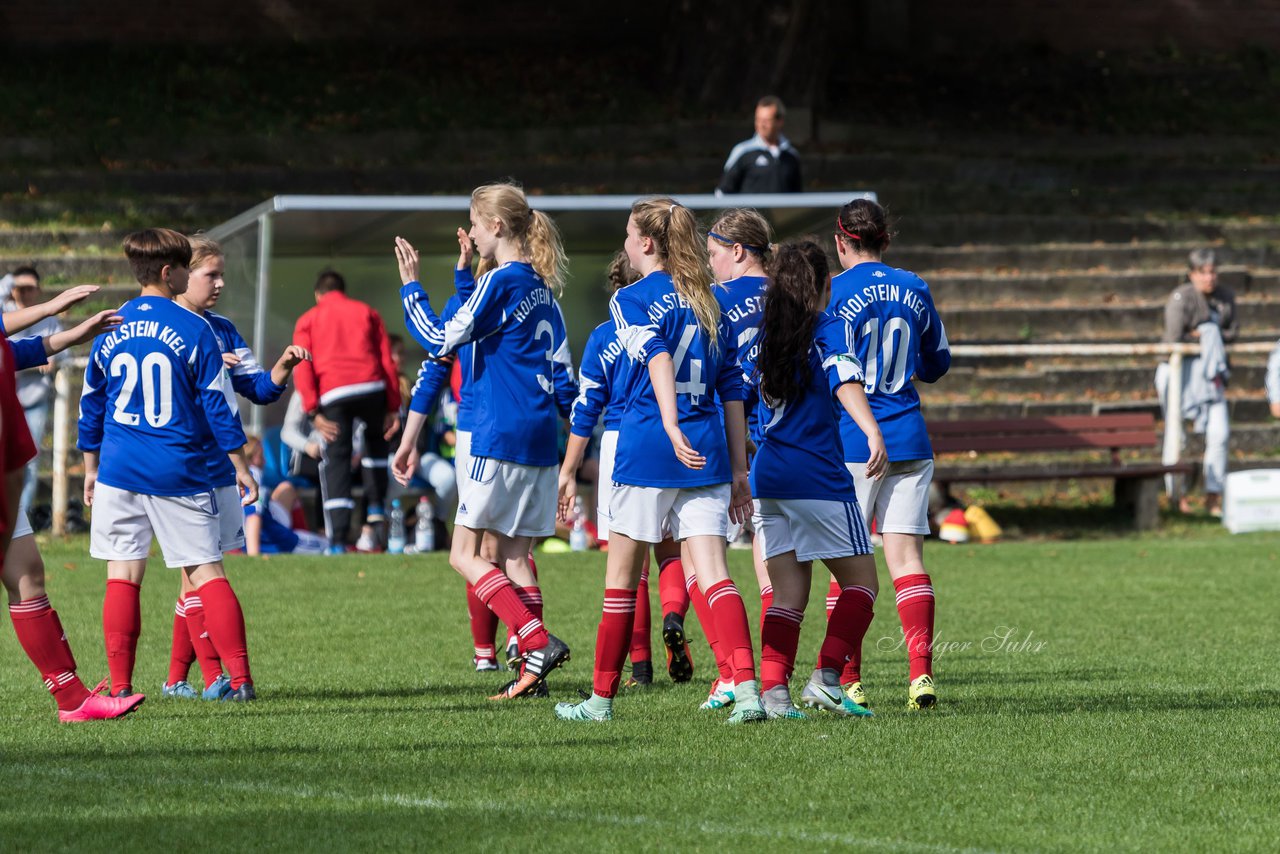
(766, 163)
(1203, 311)
(35, 387)
(351, 379)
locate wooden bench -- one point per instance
(1137, 484)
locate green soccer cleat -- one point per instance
(830, 698)
(587, 710)
(721, 696)
(920, 695)
(854, 691)
(778, 705)
(747, 712)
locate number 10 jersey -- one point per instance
(150, 388)
(897, 336)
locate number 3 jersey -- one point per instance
(150, 389)
(521, 370)
(897, 335)
(652, 318)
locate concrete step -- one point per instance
(1138, 321)
(110, 268)
(1092, 382)
(47, 241)
(1244, 410)
(958, 289)
(958, 230)
(1061, 257)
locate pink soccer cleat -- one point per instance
(98, 707)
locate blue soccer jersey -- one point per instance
(897, 335)
(652, 318)
(742, 301)
(602, 381)
(275, 537)
(510, 318)
(798, 446)
(150, 389)
(248, 379)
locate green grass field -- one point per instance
(1133, 706)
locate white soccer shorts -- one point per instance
(230, 518)
(649, 514)
(186, 526)
(21, 526)
(899, 500)
(508, 498)
(814, 529)
(604, 481)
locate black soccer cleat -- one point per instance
(679, 660)
(243, 694)
(540, 662)
(641, 674)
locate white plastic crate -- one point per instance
(1251, 501)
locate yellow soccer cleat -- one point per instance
(920, 695)
(854, 691)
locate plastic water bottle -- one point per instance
(395, 536)
(424, 532)
(578, 533)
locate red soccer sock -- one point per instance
(533, 566)
(531, 596)
(612, 638)
(497, 593)
(915, 608)
(833, 596)
(766, 602)
(121, 625)
(845, 630)
(708, 623)
(484, 625)
(40, 634)
(181, 652)
(780, 637)
(210, 664)
(224, 621)
(671, 590)
(641, 650)
(733, 629)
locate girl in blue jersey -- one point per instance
(679, 470)
(802, 375)
(738, 245)
(509, 317)
(602, 388)
(249, 379)
(898, 336)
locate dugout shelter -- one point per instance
(275, 250)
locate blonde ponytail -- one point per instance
(537, 234)
(545, 251)
(683, 253)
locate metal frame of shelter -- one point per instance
(334, 225)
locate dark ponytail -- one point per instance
(796, 273)
(863, 225)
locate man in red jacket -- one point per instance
(351, 378)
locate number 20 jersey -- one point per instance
(897, 336)
(149, 389)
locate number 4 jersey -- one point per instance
(150, 388)
(897, 335)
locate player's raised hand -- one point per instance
(568, 494)
(407, 258)
(70, 297)
(740, 504)
(466, 249)
(293, 356)
(684, 451)
(91, 327)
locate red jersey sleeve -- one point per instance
(304, 375)
(15, 439)
(382, 345)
